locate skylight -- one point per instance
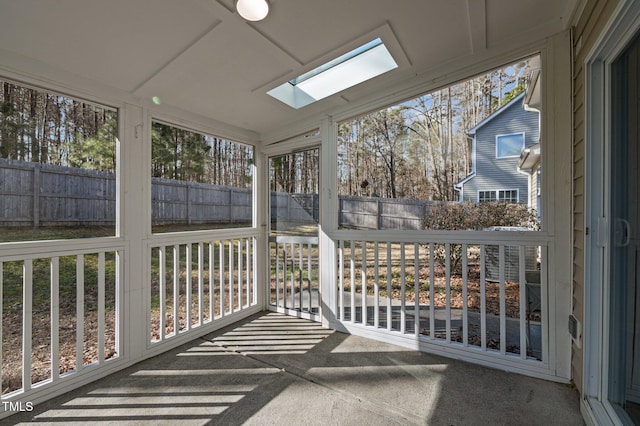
(361, 64)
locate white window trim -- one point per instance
(489, 190)
(620, 30)
(510, 134)
(497, 193)
(203, 130)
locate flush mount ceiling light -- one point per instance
(253, 10)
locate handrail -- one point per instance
(157, 240)
(294, 239)
(37, 249)
(458, 237)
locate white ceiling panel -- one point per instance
(217, 75)
(200, 56)
(118, 42)
(429, 29)
(507, 19)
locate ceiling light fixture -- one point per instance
(253, 10)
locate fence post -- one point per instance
(425, 212)
(36, 195)
(379, 215)
(188, 203)
(230, 205)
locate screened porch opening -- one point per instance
(161, 204)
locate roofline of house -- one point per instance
(473, 130)
(458, 186)
(531, 100)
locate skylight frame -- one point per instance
(334, 62)
(363, 63)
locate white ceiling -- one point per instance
(200, 56)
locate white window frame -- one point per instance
(505, 135)
(204, 131)
(517, 192)
(97, 101)
(621, 29)
(496, 193)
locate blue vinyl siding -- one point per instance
(502, 173)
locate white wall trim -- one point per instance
(45, 76)
(297, 143)
(201, 124)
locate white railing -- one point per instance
(476, 295)
(196, 281)
(60, 312)
(294, 283)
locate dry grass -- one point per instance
(41, 345)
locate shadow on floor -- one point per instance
(274, 369)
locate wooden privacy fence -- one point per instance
(298, 208)
(179, 202)
(33, 194)
(382, 213)
(43, 194)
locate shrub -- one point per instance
(472, 216)
(479, 216)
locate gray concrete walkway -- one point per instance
(277, 370)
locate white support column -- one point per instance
(261, 206)
(557, 182)
(328, 221)
(134, 220)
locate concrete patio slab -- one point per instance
(272, 370)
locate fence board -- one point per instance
(383, 213)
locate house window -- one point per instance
(486, 196)
(505, 195)
(509, 145)
(509, 196)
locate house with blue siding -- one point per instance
(497, 145)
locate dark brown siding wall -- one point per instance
(590, 25)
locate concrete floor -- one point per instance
(277, 370)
